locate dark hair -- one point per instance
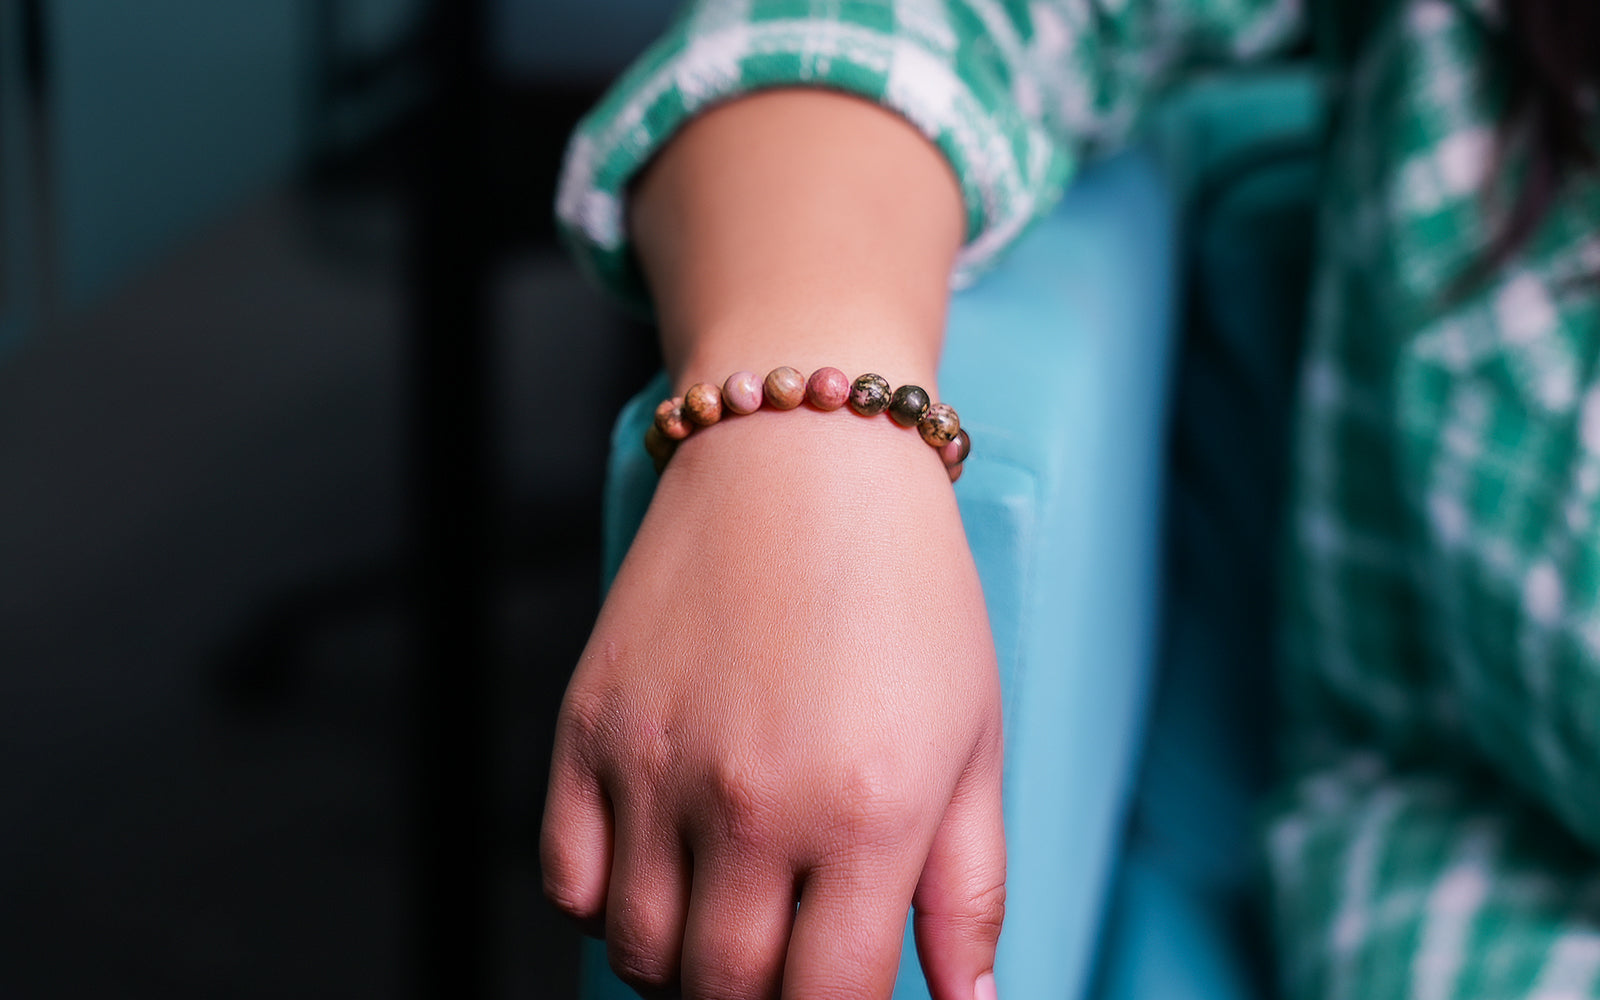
(1552, 49)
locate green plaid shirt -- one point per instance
(1441, 836)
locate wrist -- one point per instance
(804, 453)
(826, 390)
(855, 342)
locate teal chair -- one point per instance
(1129, 833)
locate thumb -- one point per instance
(961, 899)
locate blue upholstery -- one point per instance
(1184, 921)
(1062, 502)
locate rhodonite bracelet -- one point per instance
(703, 404)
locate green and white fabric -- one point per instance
(1012, 93)
(1440, 832)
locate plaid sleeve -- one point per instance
(1501, 439)
(1427, 885)
(1010, 91)
(1497, 397)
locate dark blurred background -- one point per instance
(303, 417)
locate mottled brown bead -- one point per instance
(702, 404)
(670, 419)
(939, 424)
(658, 446)
(785, 388)
(908, 404)
(955, 471)
(827, 388)
(869, 395)
(956, 450)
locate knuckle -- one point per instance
(608, 734)
(737, 989)
(564, 891)
(987, 911)
(642, 944)
(559, 872)
(726, 972)
(639, 965)
(734, 990)
(744, 794)
(874, 803)
(586, 718)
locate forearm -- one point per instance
(804, 228)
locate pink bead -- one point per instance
(955, 472)
(742, 392)
(785, 388)
(828, 388)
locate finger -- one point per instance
(740, 915)
(961, 898)
(846, 937)
(575, 843)
(647, 901)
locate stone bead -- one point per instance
(869, 395)
(939, 425)
(658, 446)
(956, 450)
(828, 388)
(908, 404)
(742, 392)
(955, 471)
(670, 419)
(785, 388)
(703, 404)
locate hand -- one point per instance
(790, 697)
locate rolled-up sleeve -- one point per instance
(1011, 93)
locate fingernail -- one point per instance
(983, 989)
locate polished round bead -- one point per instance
(955, 471)
(785, 388)
(742, 392)
(869, 395)
(670, 419)
(908, 404)
(956, 450)
(658, 446)
(939, 424)
(702, 404)
(827, 388)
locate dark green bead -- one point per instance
(908, 404)
(869, 395)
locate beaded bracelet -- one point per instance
(784, 388)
